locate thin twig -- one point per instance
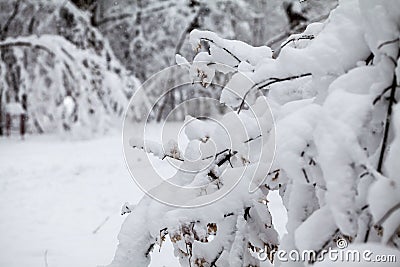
(226, 150)
(189, 254)
(388, 42)
(223, 48)
(326, 243)
(381, 94)
(304, 37)
(369, 59)
(164, 156)
(46, 264)
(227, 158)
(269, 82)
(101, 225)
(191, 26)
(111, 19)
(172, 157)
(388, 214)
(252, 139)
(298, 28)
(213, 263)
(367, 233)
(5, 45)
(276, 80)
(387, 125)
(305, 175)
(216, 155)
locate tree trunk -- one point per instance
(8, 124)
(1, 113)
(22, 125)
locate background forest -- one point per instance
(73, 65)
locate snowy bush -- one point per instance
(337, 135)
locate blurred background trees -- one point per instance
(77, 62)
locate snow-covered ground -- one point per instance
(60, 201)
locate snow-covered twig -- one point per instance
(318, 252)
(213, 263)
(172, 151)
(268, 82)
(223, 48)
(271, 81)
(387, 42)
(388, 214)
(304, 37)
(274, 40)
(381, 94)
(228, 150)
(191, 26)
(283, 34)
(387, 124)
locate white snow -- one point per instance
(55, 193)
(14, 109)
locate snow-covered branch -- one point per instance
(332, 164)
(266, 83)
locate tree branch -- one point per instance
(387, 125)
(326, 244)
(387, 42)
(223, 48)
(276, 80)
(226, 150)
(112, 19)
(388, 214)
(192, 25)
(286, 33)
(213, 263)
(269, 82)
(6, 45)
(164, 156)
(305, 175)
(381, 94)
(252, 139)
(304, 37)
(10, 19)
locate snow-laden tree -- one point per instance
(51, 54)
(333, 92)
(146, 34)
